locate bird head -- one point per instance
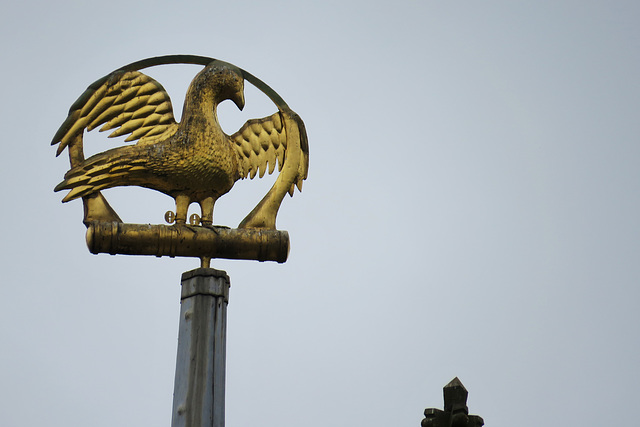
(224, 81)
(231, 85)
(238, 98)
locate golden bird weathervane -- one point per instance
(191, 161)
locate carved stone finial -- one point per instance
(456, 412)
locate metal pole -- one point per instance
(198, 397)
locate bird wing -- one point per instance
(129, 101)
(261, 144)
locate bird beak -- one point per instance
(238, 99)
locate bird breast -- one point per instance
(200, 162)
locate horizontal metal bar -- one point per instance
(187, 241)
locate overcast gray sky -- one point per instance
(471, 210)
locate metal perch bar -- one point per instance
(187, 241)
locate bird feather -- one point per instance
(260, 144)
(119, 100)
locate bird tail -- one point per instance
(105, 170)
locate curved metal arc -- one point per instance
(204, 61)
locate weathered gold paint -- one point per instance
(191, 161)
(187, 241)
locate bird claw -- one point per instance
(216, 228)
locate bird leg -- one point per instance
(182, 206)
(206, 206)
(206, 220)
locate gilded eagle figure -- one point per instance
(191, 161)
